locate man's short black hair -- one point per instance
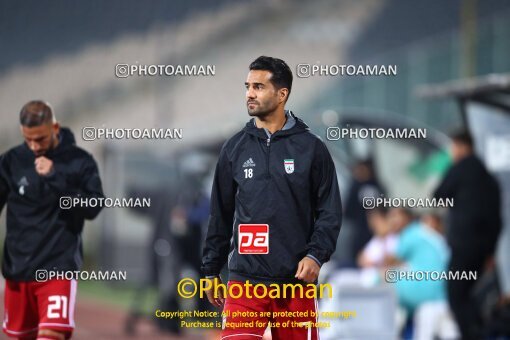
(281, 73)
(462, 137)
(36, 113)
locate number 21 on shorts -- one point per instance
(57, 307)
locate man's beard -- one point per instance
(50, 147)
(260, 111)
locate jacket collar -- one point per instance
(298, 127)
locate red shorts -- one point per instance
(252, 324)
(31, 306)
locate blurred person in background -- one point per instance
(473, 229)
(43, 233)
(364, 184)
(419, 249)
(433, 221)
(175, 243)
(499, 324)
(382, 244)
(197, 216)
(165, 257)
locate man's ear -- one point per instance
(56, 128)
(283, 94)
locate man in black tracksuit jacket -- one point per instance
(40, 235)
(473, 229)
(275, 172)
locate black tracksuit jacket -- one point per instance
(302, 208)
(41, 235)
(475, 218)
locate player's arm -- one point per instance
(328, 215)
(90, 187)
(219, 231)
(4, 187)
(89, 184)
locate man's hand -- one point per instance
(220, 299)
(43, 166)
(308, 270)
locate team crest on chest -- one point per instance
(23, 182)
(289, 165)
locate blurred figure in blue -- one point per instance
(420, 250)
(473, 228)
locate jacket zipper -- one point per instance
(268, 144)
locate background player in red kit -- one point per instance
(277, 174)
(40, 235)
